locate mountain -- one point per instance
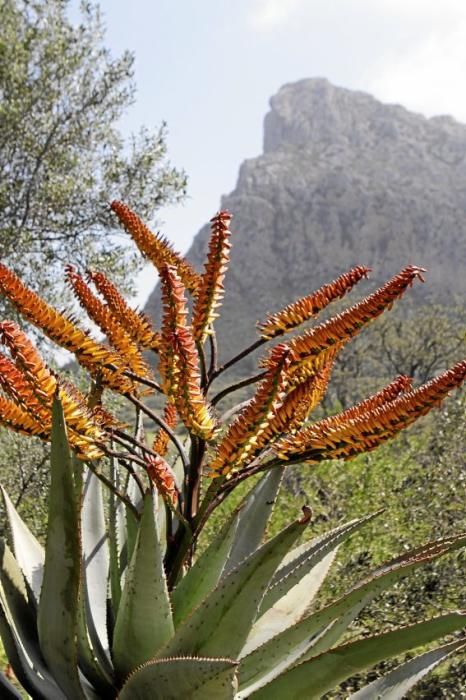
(344, 179)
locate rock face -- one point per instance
(343, 180)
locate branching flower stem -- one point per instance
(244, 353)
(161, 423)
(238, 385)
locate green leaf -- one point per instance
(320, 674)
(254, 514)
(221, 623)
(204, 575)
(270, 659)
(188, 678)
(28, 551)
(95, 564)
(287, 611)
(299, 562)
(395, 685)
(18, 631)
(144, 622)
(58, 606)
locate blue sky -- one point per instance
(209, 67)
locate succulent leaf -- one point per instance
(29, 553)
(253, 515)
(95, 566)
(283, 650)
(315, 677)
(206, 571)
(19, 631)
(222, 622)
(187, 678)
(395, 684)
(144, 621)
(57, 618)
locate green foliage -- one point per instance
(61, 153)
(227, 651)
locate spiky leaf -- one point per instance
(58, 607)
(144, 621)
(28, 551)
(267, 661)
(222, 622)
(18, 631)
(187, 678)
(395, 685)
(315, 677)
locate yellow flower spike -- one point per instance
(179, 360)
(309, 306)
(108, 323)
(342, 327)
(160, 444)
(248, 432)
(210, 292)
(136, 324)
(155, 247)
(370, 423)
(92, 355)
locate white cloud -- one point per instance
(430, 74)
(268, 14)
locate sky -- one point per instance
(209, 67)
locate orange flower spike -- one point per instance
(309, 306)
(400, 385)
(136, 324)
(155, 247)
(163, 478)
(299, 403)
(174, 316)
(35, 386)
(160, 444)
(179, 361)
(14, 384)
(28, 361)
(12, 416)
(211, 290)
(344, 326)
(248, 432)
(90, 354)
(107, 322)
(343, 437)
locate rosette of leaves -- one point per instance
(130, 609)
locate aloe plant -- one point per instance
(121, 602)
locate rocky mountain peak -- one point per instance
(344, 179)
